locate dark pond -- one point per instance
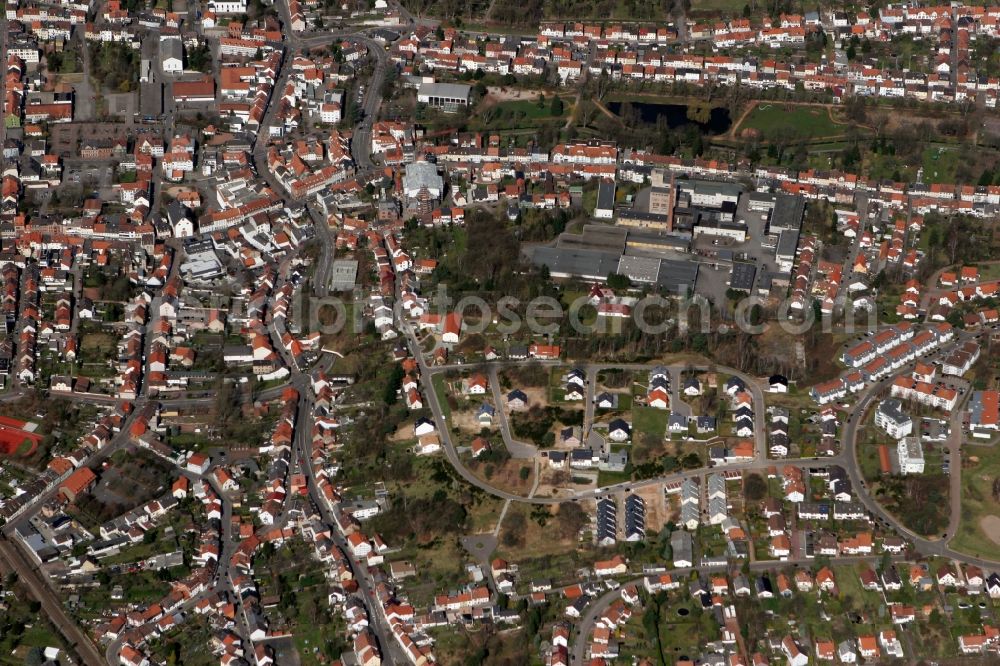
(676, 115)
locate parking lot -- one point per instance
(93, 178)
(66, 136)
(122, 105)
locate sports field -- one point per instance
(15, 439)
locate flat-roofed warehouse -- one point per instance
(447, 96)
(596, 237)
(343, 274)
(625, 241)
(784, 253)
(602, 250)
(676, 277)
(569, 262)
(655, 245)
(605, 200)
(639, 269)
(742, 276)
(638, 219)
(202, 90)
(787, 213)
(172, 55)
(710, 193)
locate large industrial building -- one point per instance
(446, 96)
(602, 250)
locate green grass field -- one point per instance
(518, 114)
(989, 271)
(940, 164)
(977, 501)
(650, 420)
(724, 6)
(97, 345)
(772, 119)
(442, 395)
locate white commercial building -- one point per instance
(605, 209)
(889, 416)
(447, 96)
(911, 456)
(172, 55)
(228, 6)
(422, 177)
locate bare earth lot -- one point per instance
(991, 526)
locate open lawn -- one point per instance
(669, 629)
(471, 645)
(27, 634)
(524, 109)
(724, 6)
(539, 540)
(611, 478)
(185, 645)
(979, 503)
(143, 587)
(517, 114)
(97, 346)
(442, 395)
(439, 564)
(648, 420)
(512, 475)
(940, 164)
(773, 119)
(881, 166)
(988, 271)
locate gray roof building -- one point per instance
(891, 409)
(422, 176)
(447, 96)
(171, 50)
(682, 547)
(742, 276)
(787, 213)
(607, 521)
(605, 199)
(635, 518)
(587, 264)
(343, 274)
(639, 269)
(788, 241)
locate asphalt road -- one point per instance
(515, 447)
(847, 458)
(922, 544)
(361, 140)
(427, 373)
(391, 650)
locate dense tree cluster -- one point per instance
(422, 519)
(920, 501)
(536, 423)
(115, 66)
